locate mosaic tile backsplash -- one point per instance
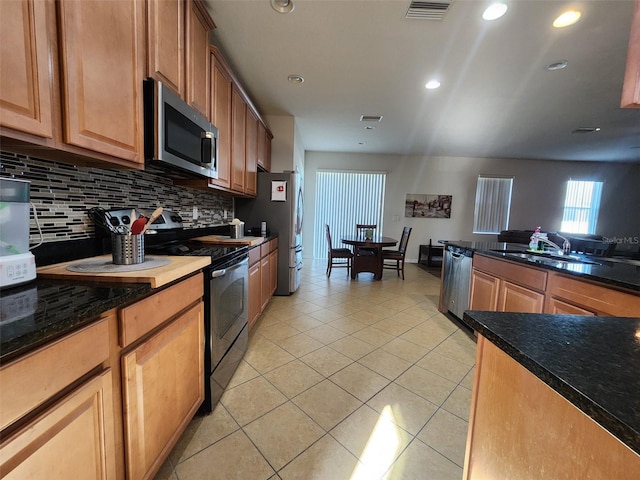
(63, 193)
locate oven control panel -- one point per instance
(167, 219)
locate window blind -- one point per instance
(493, 203)
(344, 198)
(581, 206)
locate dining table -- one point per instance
(371, 261)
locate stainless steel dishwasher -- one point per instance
(457, 279)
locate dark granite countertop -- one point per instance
(611, 271)
(591, 361)
(39, 312)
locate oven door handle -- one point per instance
(219, 273)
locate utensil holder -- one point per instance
(127, 249)
(236, 230)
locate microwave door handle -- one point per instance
(207, 147)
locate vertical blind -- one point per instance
(493, 203)
(344, 198)
(581, 206)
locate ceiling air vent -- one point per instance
(428, 10)
(370, 118)
(586, 130)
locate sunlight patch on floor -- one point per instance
(381, 448)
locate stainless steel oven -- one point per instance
(175, 135)
(226, 331)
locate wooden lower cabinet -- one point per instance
(162, 389)
(572, 295)
(255, 300)
(273, 271)
(72, 439)
(265, 280)
(263, 277)
(556, 306)
(515, 298)
(503, 286)
(484, 291)
(520, 428)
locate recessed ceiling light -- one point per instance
(295, 78)
(556, 65)
(432, 84)
(495, 11)
(567, 18)
(282, 6)
(369, 127)
(362, 143)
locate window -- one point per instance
(344, 198)
(581, 206)
(493, 202)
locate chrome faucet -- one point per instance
(566, 245)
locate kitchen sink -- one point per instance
(551, 256)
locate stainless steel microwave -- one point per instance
(175, 135)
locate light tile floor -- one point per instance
(344, 380)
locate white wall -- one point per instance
(538, 193)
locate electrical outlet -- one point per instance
(395, 218)
(195, 212)
(224, 214)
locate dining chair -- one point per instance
(337, 255)
(361, 229)
(397, 256)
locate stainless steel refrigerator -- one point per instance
(279, 203)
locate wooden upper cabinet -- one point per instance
(264, 148)
(221, 117)
(251, 153)
(631, 85)
(25, 96)
(166, 43)
(238, 114)
(199, 24)
(102, 68)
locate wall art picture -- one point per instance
(419, 205)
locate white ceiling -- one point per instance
(363, 57)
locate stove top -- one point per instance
(221, 256)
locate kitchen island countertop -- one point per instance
(591, 361)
